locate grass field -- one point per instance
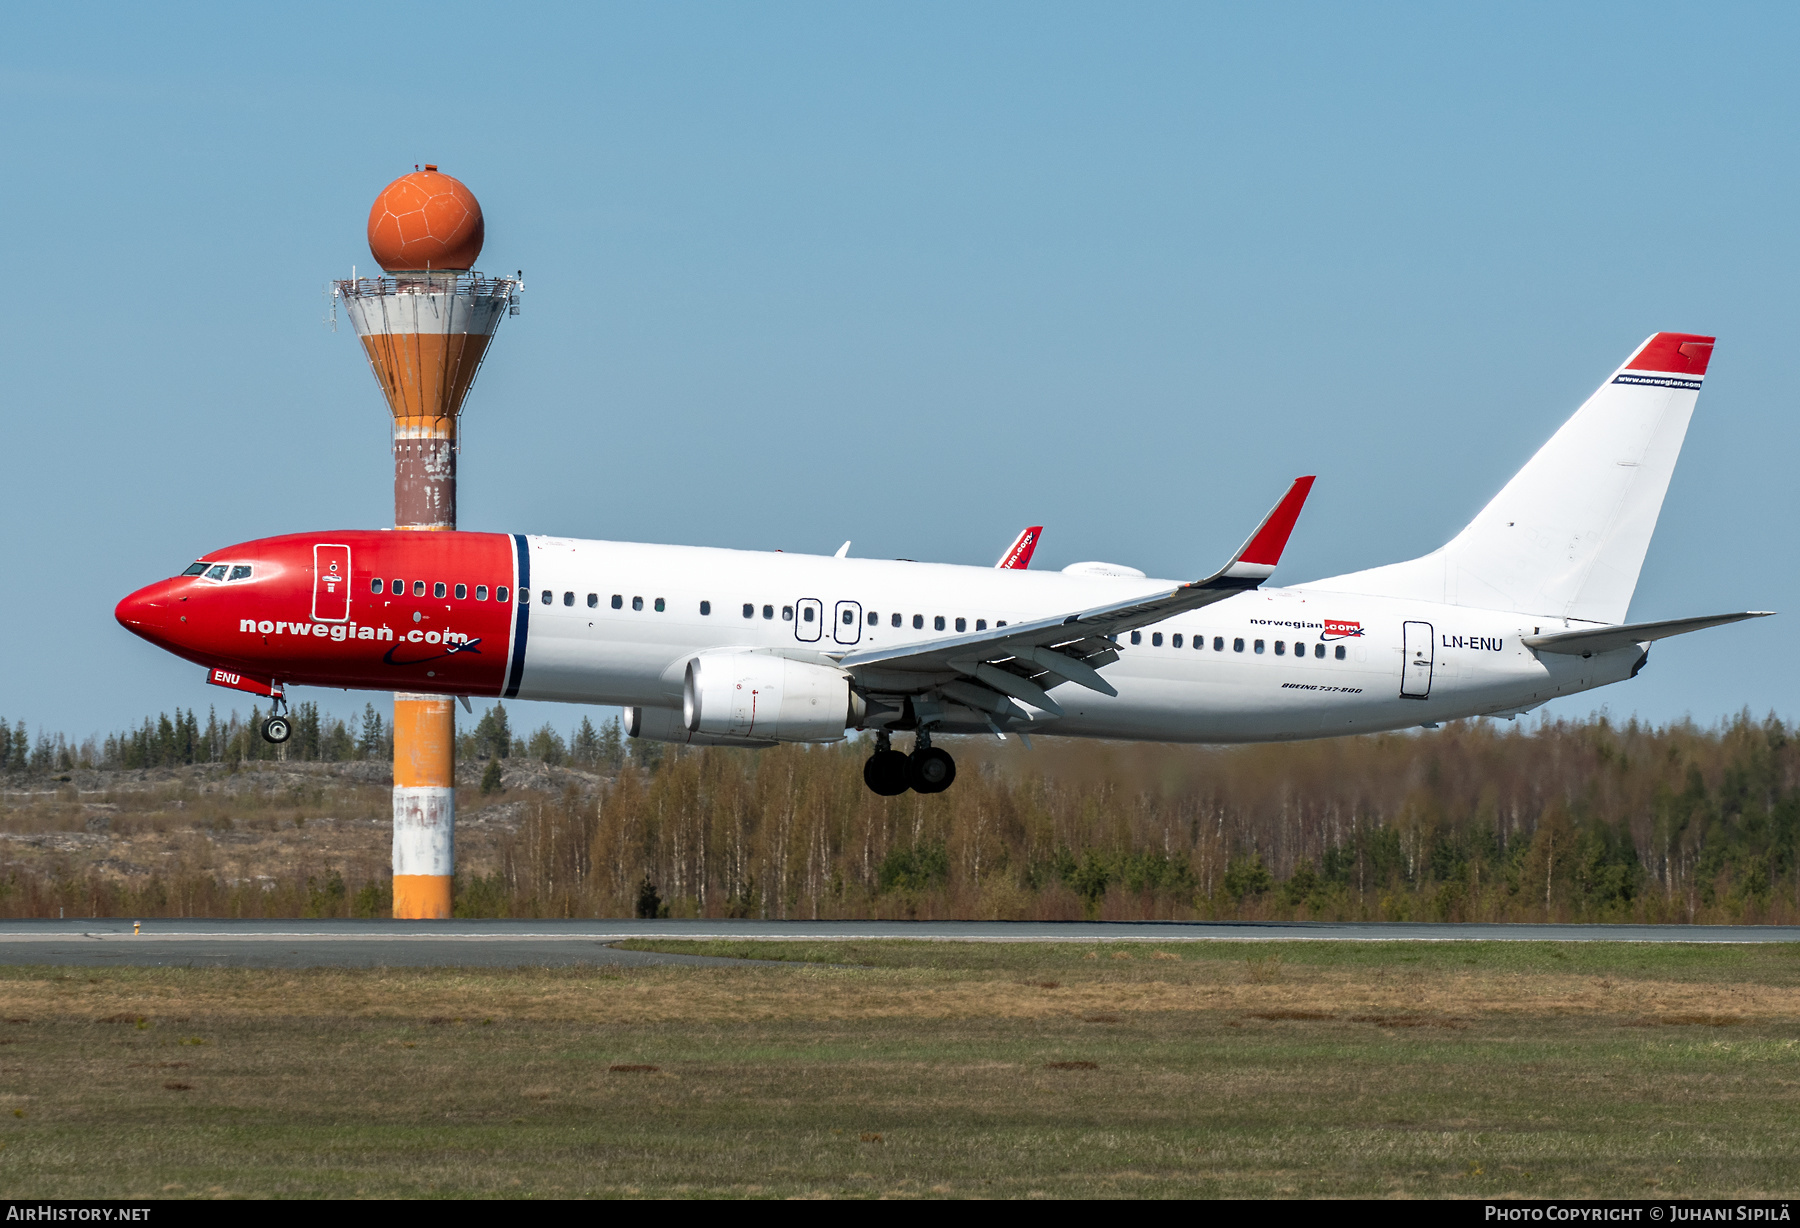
(919, 1069)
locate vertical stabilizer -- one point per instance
(1566, 537)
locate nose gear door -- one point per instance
(1415, 672)
(846, 627)
(331, 584)
(809, 619)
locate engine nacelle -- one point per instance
(759, 695)
(667, 725)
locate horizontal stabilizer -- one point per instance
(1605, 639)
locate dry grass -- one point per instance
(1013, 1071)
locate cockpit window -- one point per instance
(216, 573)
(240, 572)
(194, 569)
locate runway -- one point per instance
(417, 944)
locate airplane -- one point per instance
(717, 647)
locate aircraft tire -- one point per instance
(277, 730)
(888, 773)
(933, 770)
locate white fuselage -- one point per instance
(1196, 685)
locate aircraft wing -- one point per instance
(1590, 640)
(1024, 660)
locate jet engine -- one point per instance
(666, 725)
(758, 695)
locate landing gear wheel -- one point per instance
(888, 773)
(276, 729)
(932, 770)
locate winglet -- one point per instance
(1259, 555)
(1018, 555)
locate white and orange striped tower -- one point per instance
(426, 326)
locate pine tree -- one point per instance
(15, 759)
(373, 738)
(612, 746)
(584, 747)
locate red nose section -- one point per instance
(147, 612)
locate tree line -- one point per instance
(179, 739)
(1571, 820)
(1564, 820)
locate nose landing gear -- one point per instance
(889, 773)
(277, 729)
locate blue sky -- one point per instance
(913, 275)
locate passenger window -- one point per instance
(962, 624)
(874, 619)
(462, 592)
(981, 624)
(1156, 639)
(618, 602)
(769, 612)
(918, 622)
(894, 621)
(1219, 644)
(437, 590)
(547, 597)
(502, 593)
(418, 588)
(1259, 645)
(240, 572)
(375, 586)
(1319, 651)
(1137, 637)
(705, 607)
(481, 592)
(659, 605)
(749, 610)
(1001, 623)
(195, 569)
(1338, 652)
(1237, 645)
(806, 614)
(568, 599)
(593, 601)
(398, 588)
(637, 603)
(1280, 647)
(787, 614)
(937, 623)
(1175, 640)
(524, 596)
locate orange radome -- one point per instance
(425, 220)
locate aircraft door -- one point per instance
(809, 619)
(331, 584)
(846, 625)
(1415, 671)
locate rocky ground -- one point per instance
(257, 824)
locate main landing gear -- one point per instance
(890, 773)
